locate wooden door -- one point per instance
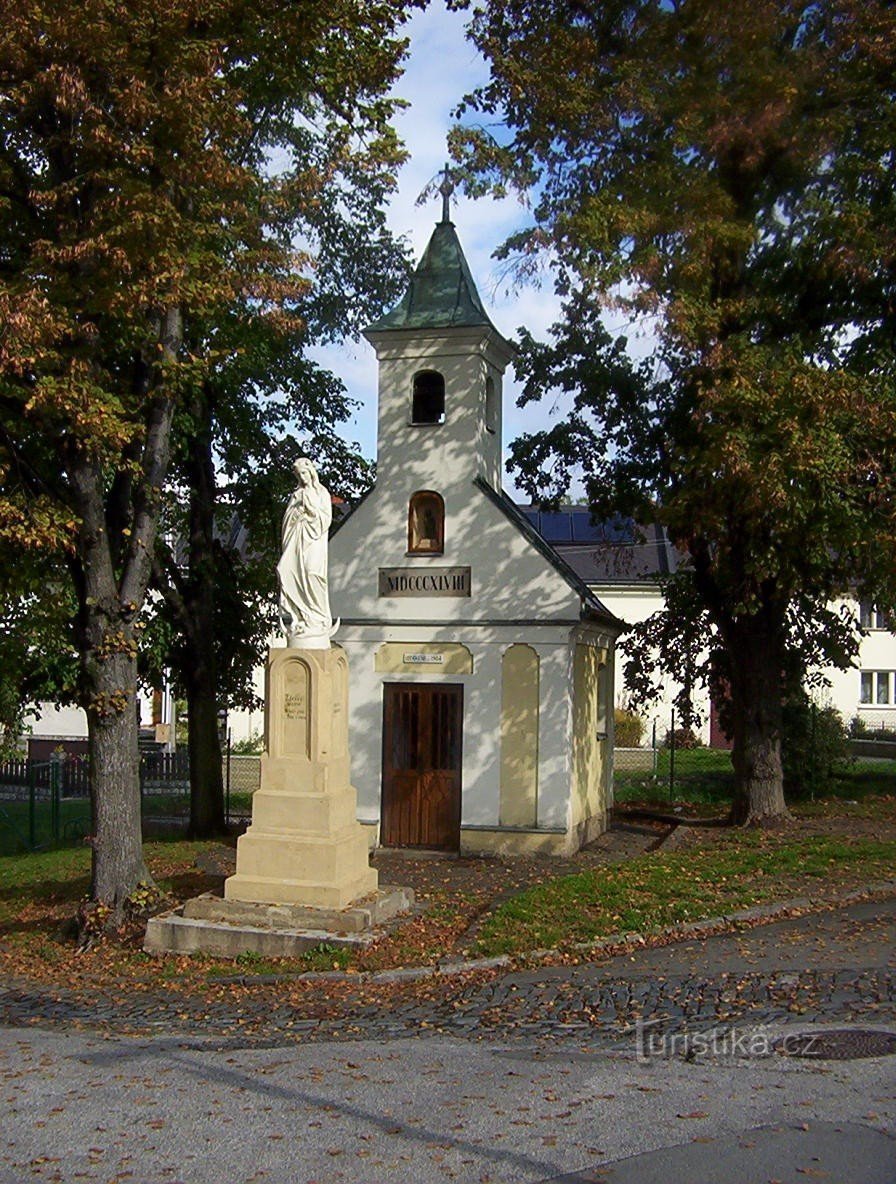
(422, 745)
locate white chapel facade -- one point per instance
(481, 667)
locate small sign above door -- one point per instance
(429, 581)
(429, 657)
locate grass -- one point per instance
(664, 889)
(831, 850)
(323, 956)
(61, 876)
(704, 776)
(75, 818)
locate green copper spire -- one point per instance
(442, 293)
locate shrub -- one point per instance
(252, 745)
(629, 728)
(859, 729)
(814, 747)
(682, 738)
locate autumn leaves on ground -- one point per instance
(467, 907)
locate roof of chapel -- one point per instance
(442, 293)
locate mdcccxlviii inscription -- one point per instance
(433, 581)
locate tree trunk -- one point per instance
(756, 690)
(201, 645)
(108, 692)
(110, 568)
(207, 818)
(118, 865)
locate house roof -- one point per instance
(614, 551)
(591, 603)
(442, 293)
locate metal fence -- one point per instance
(691, 774)
(47, 803)
(673, 765)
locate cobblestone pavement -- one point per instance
(837, 965)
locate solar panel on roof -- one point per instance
(556, 527)
(613, 530)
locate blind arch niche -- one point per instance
(426, 523)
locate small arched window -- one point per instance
(429, 398)
(426, 523)
(491, 405)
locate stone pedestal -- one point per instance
(305, 845)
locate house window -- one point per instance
(491, 405)
(426, 524)
(877, 688)
(873, 618)
(428, 404)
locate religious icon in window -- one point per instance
(426, 524)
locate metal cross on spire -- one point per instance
(446, 189)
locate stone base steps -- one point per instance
(207, 924)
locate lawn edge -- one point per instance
(613, 944)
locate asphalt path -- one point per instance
(77, 1108)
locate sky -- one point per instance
(441, 67)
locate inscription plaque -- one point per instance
(430, 581)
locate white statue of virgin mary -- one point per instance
(302, 570)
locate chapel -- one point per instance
(481, 666)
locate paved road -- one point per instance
(533, 1077)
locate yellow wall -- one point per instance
(519, 736)
(589, 715)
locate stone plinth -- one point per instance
(229, 928)
(305, 846)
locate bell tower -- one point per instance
(441, 368)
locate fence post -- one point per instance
(32, 806)
(55, 779)
(672, 759)
(227, 781)
(655, 752)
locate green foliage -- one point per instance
(184, 196)
(701, 167)
(814, 747)
(39, 657)
(629, 728)
(252, 745)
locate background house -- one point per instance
(625, 567)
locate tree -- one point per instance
(216, 575)
(262, 405)
(39, 658)
(726, 173)
(160, 164)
